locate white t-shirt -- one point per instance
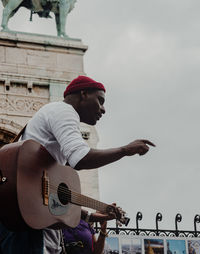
(56, 127)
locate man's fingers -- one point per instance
(147, 142)
(142, 153)
(105, 217)
(111, 216)
(142, 150)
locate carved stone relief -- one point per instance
(19, 98)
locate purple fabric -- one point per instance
(83, 232)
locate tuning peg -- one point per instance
(126, 221)
(119, 223)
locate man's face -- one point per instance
(92, 106)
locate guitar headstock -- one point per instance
(125, 221)
(121, 217)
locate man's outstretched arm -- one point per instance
(97, 158)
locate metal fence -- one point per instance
(155, 232)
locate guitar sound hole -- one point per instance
(64, 194)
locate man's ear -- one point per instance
(83, 94)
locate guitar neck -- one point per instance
(82, 200)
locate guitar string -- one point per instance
(78, 197)
(85, 202)
(81, 198)
(70, 193)
(89, 202)
(75, 194)
(98, 205)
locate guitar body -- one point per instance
(26, 165)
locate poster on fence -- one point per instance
(127, 244)
(193, 246)
(131, 245)
(153, 246)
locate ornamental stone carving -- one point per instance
(20, 99)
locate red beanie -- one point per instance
(82, 82)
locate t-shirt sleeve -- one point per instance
(64, 124)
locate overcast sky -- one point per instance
(147, 53)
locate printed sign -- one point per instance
(127, 244)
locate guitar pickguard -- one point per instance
(55, 206)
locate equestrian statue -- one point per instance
(60, 8)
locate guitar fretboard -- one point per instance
(82, 200)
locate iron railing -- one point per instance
(155, 232)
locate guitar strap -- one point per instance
(62, 243)
(15, 139)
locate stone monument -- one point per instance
(34, 70)
(60, 8)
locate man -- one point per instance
(56, 127)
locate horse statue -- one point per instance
(60, 8)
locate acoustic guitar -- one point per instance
(37, 192)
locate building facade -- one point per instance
(34, 70)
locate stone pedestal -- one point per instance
(34, 70)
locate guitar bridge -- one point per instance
(45, 188)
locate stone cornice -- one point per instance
(41, 42)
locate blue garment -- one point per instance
(28, 242)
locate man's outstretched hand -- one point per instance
(100, 157)
(139, 146)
